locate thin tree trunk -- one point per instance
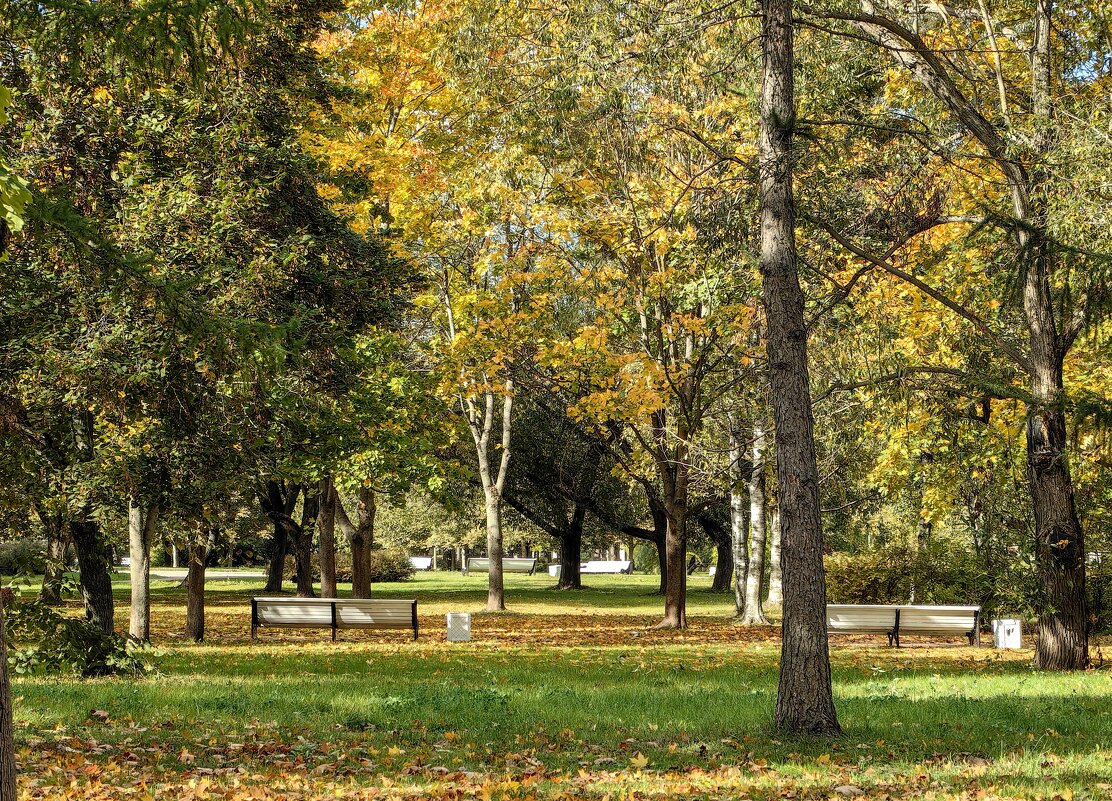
(723, 564)
(57, 543)
(7, 739)
(775, 580)
(362, 541)
(804, 699)
(739, 521)
(303, 544)
(95, 572)
(195, 587)
(571, 551)
(754, 580)
(141, 523)
(278, 500)
(327, 527)
(675, 562)
(496, 590)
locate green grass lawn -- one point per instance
(571, 695)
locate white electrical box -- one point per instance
(1007, 633)
(459, 626)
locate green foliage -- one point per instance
(938, 574)
(20, 557)
(48, 642)
(387, 564)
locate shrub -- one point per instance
(387, 564)
(22, 556)
(50, 642)
(939, 573)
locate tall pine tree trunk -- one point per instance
(95, 568)
(141, 522)
(804, 699)
(326, 524)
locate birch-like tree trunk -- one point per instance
(141, 523)
(775, 574)
(481, 424)
(754, 584)
(739, 519)
(804, 699)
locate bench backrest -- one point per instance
(370, 613)
(421, 562)
(603, 566)
(375, 613)
(293, 611)
(478, 564)
(938, 619)
(864, 618)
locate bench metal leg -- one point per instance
(333, 605)
(254, 619)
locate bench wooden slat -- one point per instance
(510, 564)
(333, 613)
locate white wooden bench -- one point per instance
(333, 613)
(895, 620)
(510, 564)
(421, 562)
(601, 566)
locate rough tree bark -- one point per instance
(804, 699)
(571, 551)
(7, 740)
(278, 500)
(195, 586)
(57, 543)
(141, 522)
(303, 540)
(362, 538)
(94, 567)
(723, 563)
(754, 581)
(327, 526)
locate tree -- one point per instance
(1014, 130)
(804, 699)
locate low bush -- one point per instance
(22, 556)
(937, 574)
(387, 564)
(49, 642)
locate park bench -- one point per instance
(896, 620)
(601, 566)
(333, 613)
(509, 565)
(421, 562)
